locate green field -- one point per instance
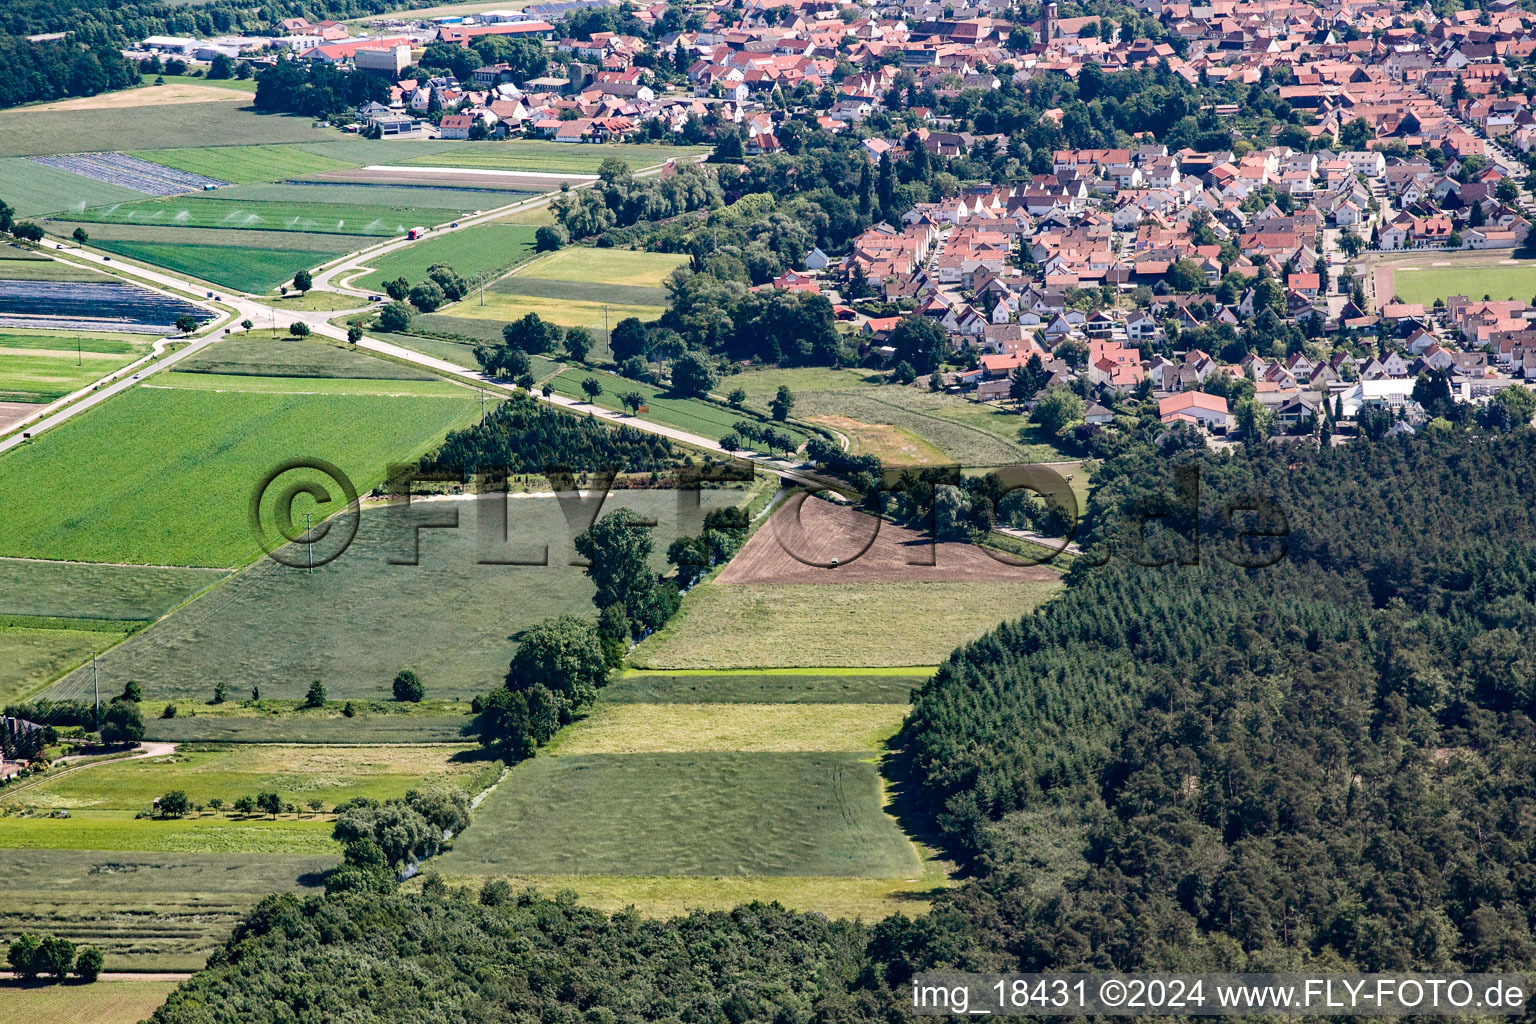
(242, 164)
(17, 265)
(1426, 284)
(583, 265)
(596, 316)
(182, 500)
(783, 625)
(146, 911)
(357, 621)
(687, 814)
(292, 726)
(773, 728)
(556, 157)
(33, 189)
(31, 658)
(269, 385)
(211, 212)
(43, 367)
(123, 832)
(261, 355)
(810, 686)
(81, 590)
(25, 132)
(240, 267)
(105, 1002)
(300, 773)
(445, 200)
(483, 249)
(762, 385)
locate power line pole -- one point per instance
(309, 544)
(77, 350)
(607, 334)
(96, 684)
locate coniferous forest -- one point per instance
(1327, 762)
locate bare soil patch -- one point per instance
(12, 413)
(153, 96)
(799, 543)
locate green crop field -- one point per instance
(687, 814)
(778, 728)
(556, 157)
(692, 414)
(82, 590)
(447, 201)
(145, 911)
(14, 267)
(33, 189)
(240, 267)
(26, 132)
(596, 316)
(809, 686)
(267, 385)
(31, 658)
(164, 476)
(299, 773)
(583, 265)
(46, 370)
(209, 211)
(762, 385)
(1426, 284)
(483, 249)
(105, 1002)
(784, 625)
(241, 164)
(357, 621)
(259, 356)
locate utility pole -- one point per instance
(482, 405)
(309, 545)
(607, 334)
(96, 684)
(77, 350)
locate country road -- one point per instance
(145, 750)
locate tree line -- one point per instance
(58, 68)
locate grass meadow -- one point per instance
(34, 189)
(483, 249)
(967, 432)
(775, 728)
(28, 132)
(589, 266)
(164, 476)
(720, 813)
(261, 354)
(121, 831)
(375, 220)
(244, 268)
(31, 658)
(692, 414)
(82, 590)
(146, 911)
(747, 686)
(595, 315)
(555, 157)
(245, 164)
(105, 1002)
(453, 618)
(784, 625)
(43, 366)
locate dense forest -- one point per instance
(522, 435)
(57, 68)
(1328, 760)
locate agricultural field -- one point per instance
(81, 590)
(774, 728)
(183, 500)
(749, 686)
(330, 774)
(450, 201)
(360, 619)
(121, 831)
(1505, 279)
(762, 385)
(373, 220)
(22, 265)
(146, 911)
(376, 722)
(692, 414)
(101, 304)
(26, 131)
(556, 157)
(34, 189)
(245, 268)
(893, 446)
(488, 249)
(31, 658)
(680, 814)
(230, 383)
(41, 366)
(787, 625)
(105, 1002)
(502, 308)
(581, 265)
(262, 354)
(245, 164)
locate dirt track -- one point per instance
(868, 550)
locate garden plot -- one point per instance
(131, 172)
(105, 306)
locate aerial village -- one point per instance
(1259, 271)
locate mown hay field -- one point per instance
(105, 1002)
(680, 814)
(784, 625)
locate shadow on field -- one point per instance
(914, 816)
